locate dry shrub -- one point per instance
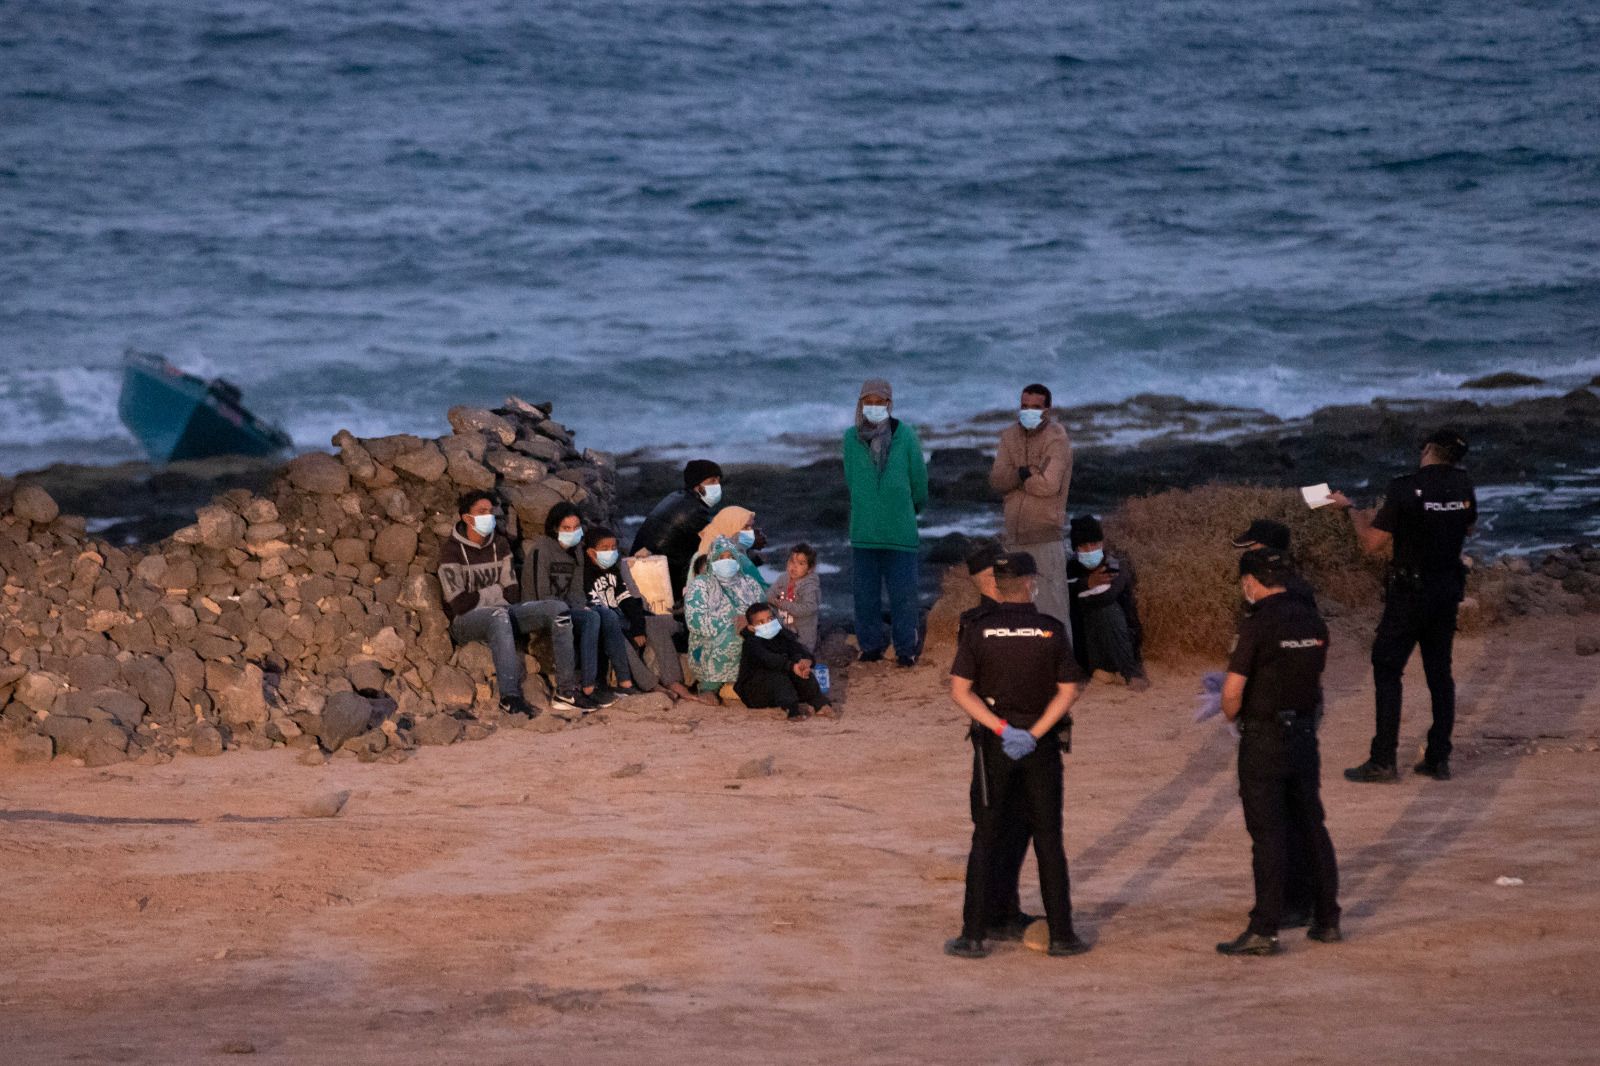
(1180, 543)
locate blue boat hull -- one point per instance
(179, 416)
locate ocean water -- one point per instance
(697, 225)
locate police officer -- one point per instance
(1297, 885)
(1015, 676)
(1007, 919)
(1273, 690)
(1426, 516)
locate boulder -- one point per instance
(351, 551)
(426, 464)
(541, 448)
(318, 473)
(92, 671)
(436, 730)
(327, 805)
(531, 503)
(34, 748)
(514, 466)
(219, 527)
(38, 691)
(386, 646)
(452, 688)
(366, 676)
(465, 420)
(152, 682)
(395, 546)
(205, 740)
(345, 715)
(239, 693)
(32, 504)
(467, 472)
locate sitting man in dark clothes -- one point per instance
(775, 668)
(1106, 635)
(674, 525)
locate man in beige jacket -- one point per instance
(1033, 470)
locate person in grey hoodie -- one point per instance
(483, 600)
(553, 568)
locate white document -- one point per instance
(1317, 495)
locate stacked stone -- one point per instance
(309, 618)
(1565, 581)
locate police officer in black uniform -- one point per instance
(1007, 919)
(1273, 690)
(1426, 516)
(1297, 886)
(1015, 675)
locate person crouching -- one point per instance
(775, 668)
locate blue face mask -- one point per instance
(1031, 418)
(768, 629)
(570, 538)
(1092, 559)
(484, 524)
(747, 538)
(711, 493)
(726, 569)
(875, 413)
(607, 559)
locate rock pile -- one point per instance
(1565, 581)
(308, 617)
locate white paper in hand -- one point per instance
(1317, 495)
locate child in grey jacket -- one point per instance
(797, 598)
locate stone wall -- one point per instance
(308, 617)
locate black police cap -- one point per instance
(1265, 532)
(1271, 568)
(982, 557)
(1015, 564)
(1450, 442)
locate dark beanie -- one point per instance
(699, 470)
(1086, 529)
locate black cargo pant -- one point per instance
(1032, 787)
(1005, 902)
(769, 688)
(1416, 611)
(1280, 786)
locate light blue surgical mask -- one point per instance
(875, 413)
(484, 524)
(570, 538)
(725, 569)
(1092, 559)
(1030, 417)
(712, 494)
(747, 538)
(607, 559)
(768, 629)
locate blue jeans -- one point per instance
(871, 570)
(591, 626)
(498, 627)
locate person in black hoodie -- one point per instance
(553, 568)
(611, 590)
(673, 528)
(775, 668)
(483, 601)
(1106, 635)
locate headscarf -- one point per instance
(725, 523)
(724, 527)
(876, 436)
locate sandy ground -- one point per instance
(514, 901)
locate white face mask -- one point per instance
(875, 413)
(768, 629)
(1030, 417)
(483, 524)
(570, 538)
(607, 559)
(726, 569)
(712, 494)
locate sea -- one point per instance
(696, 226)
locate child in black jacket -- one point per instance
(775, 668)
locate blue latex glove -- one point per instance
(1017, 743)
(1210, 704)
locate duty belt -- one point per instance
(1283, 721)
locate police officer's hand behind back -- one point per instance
(1017, 743)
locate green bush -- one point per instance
(1181, 546)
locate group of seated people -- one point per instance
(744, 636)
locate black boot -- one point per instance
(1439, 771)
(1248, 943)
(1371, 772)
(965, 947)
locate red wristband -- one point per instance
(1004, 725)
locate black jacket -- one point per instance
(1120, 595)
(775, 655)
(673, 529)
